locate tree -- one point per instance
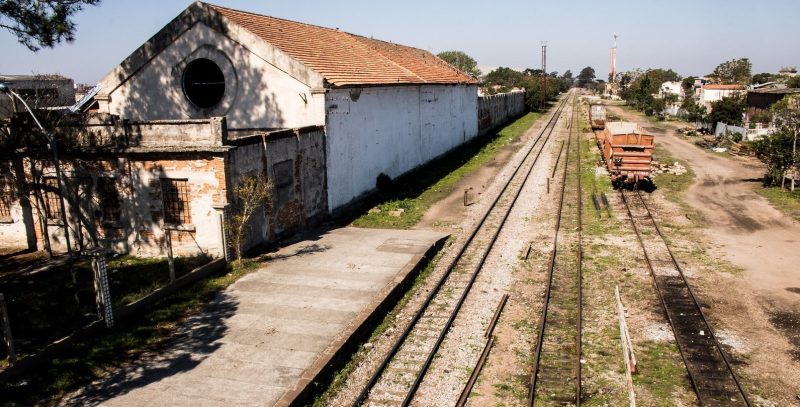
(687, 84)
(252, 193)
(735, 71)
(775, 150)
(639, 89)
(586, 76)
(694, 112)
(763, 77)
(728, 110)
(461, 61)
(41, 23)
(505, 79)
(786, 117)
(793, 82)
(533, 72)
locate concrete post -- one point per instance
(170, 258)
(7, 339)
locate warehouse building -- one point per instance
(219, 94)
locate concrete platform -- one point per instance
(265, 339)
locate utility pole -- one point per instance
(544, 74)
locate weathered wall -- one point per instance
(294, 161)
(110, 131)
(18, 226)
(207, 194)
(494, 110)
(257, 93)
(391, 130)
(140, 228)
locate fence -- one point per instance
(494, 110)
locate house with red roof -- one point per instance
(710, 93)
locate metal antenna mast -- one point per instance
(544, 74)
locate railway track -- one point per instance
(402, 370)
(710, 371)
(556, 376)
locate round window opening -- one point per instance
(203, 83)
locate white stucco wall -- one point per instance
(708, 96)
(392, 130)
(257, 93)
(13, 232)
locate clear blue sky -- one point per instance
(691, 37)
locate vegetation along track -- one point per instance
(556, 377)
(710, 372)
(400, 373)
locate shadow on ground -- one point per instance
(193, 341)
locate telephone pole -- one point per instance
(544, 74)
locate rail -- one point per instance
(710, 372)
(365, 393)
(554, 309)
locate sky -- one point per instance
(690, 37)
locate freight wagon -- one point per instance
(597, 116)
(627, 152)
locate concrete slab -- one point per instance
(267, 337)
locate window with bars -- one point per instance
(109, 200)
(52, 201)
(6, 197)
(175, 201)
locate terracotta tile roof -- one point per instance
(724, 87)
(347, 59)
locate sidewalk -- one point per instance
(271, 332)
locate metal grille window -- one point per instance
(6, 198)
(109, 200)
(52, 201)
(175, 196)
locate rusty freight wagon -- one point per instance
(597, 116)
(627, 152)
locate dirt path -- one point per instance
(762, 304)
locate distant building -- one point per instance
(671, 88)
(758, 103)
(711, 93)
(697, 86)
(39, 91)
(789, 71)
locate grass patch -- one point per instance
(418, 190)
(127, 342)
(673, 185)
(784, 200)
(660, 372)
